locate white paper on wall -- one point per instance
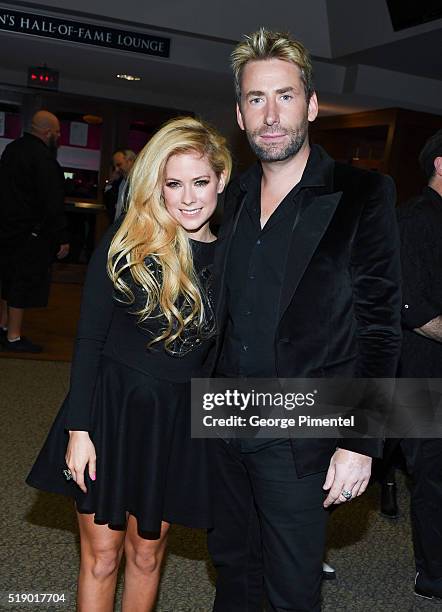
(78, 134)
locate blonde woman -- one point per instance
(120, 445)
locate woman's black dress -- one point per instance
(134, 402)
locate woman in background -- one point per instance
(120, 445)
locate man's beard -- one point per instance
(277, 152)
(53, 143)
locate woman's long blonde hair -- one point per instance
(148, 231)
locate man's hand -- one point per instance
(63, 251)
(432, 329)
(348, 471)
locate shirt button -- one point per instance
(406, 306)
(245, 347)
(258, 242)
(252, 277)
(248, 312)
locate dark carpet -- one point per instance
(39, 542)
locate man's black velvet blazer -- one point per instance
(339, 311)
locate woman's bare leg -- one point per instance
(101, 550)
(143, 568)
(15, 322)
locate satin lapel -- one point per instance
(221, 254)
(308, 230)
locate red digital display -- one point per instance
(42, 77)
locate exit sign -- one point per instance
(42, 77)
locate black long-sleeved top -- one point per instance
(420, 224)
(109, 327)
(31, 194)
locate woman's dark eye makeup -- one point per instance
(198, 183)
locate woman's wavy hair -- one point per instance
(150, 243)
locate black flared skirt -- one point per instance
(147, 463)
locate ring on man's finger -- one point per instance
(346, 494)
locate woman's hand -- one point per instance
(79, 454)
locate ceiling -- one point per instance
(198, 75)
(419, 55)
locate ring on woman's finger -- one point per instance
(346, 494)
(68, 474)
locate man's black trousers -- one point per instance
(269, 535)
(424, 462)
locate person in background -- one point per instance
(123, 160)
(122, 437)
(420, 223)
(33, 227)
(110, 192)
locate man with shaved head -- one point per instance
(46, 126)
(32, 226)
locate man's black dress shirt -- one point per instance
(255, 273)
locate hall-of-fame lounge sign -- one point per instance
(84, 33)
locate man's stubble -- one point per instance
(274, 153)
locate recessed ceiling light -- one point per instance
(128, 77)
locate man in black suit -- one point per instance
(420, 223)
(308, 279)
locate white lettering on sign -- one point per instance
(7, 19)
(135, 42)
(51, 27)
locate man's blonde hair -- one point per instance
(264, 45)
